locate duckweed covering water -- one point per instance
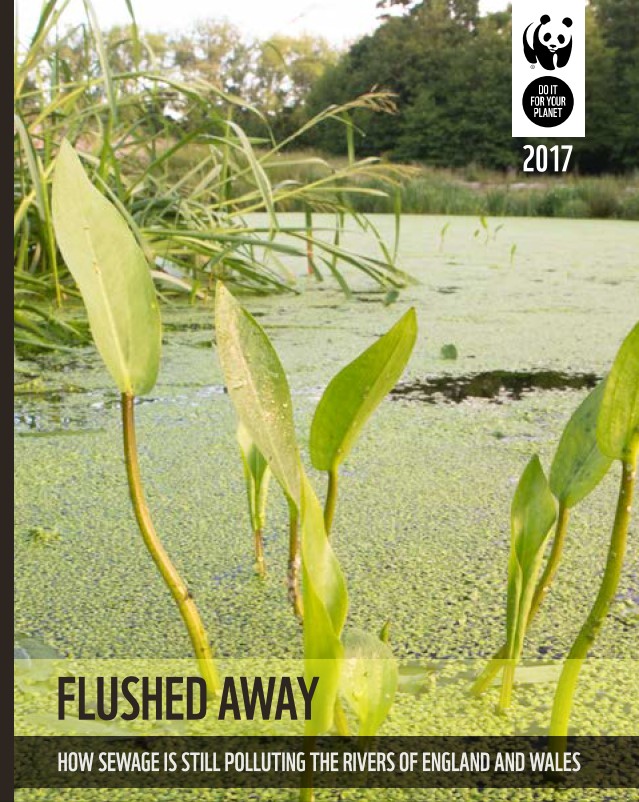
(429, 552)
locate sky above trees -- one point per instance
(336, 20)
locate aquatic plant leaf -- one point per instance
(258, 388)
(449, 351)
(325, 607)
(112, 275)
(579, 465)
(257, 475)
(354, 393)
(533, 513)
(369, 679)
(618, 423)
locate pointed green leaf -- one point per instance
(258, 388)
(112, 275)
(257, 475)
(579, 465)
(618, 423)
(325, 606)
(354, 393)
(255, 460)
(259, 174)
(369, 679)
(533, 513)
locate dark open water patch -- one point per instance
(54, 412)
(201, 325)
(494, 385)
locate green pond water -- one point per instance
(422, 527)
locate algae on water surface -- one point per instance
(435, 541)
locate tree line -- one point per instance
(447, 65)
(450, 69)
(272, 76)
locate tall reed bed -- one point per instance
(442, 192)
(190, 216)
(471, 191)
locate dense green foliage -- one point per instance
(273, 74)
(450, 68)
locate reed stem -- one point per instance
(331, 501)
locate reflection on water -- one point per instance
(60, 413)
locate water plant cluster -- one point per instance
(110, 270)
(357, 668)
(193, 224)
(603, 429)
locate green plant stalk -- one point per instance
(497, 661)
(294, 592)
(570, 673)
(341, 722)
(307, 794)
(257, 522)
(173, 580)
(331, 500)
(260, 562)
(310, 261)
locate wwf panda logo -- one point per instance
(550, 44)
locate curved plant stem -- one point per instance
(554, 558)
(586, 637)
(173, 580)
(294, 593)
(260, 562)
(498, 660)
(331, 501)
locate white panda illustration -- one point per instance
(550, 45)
